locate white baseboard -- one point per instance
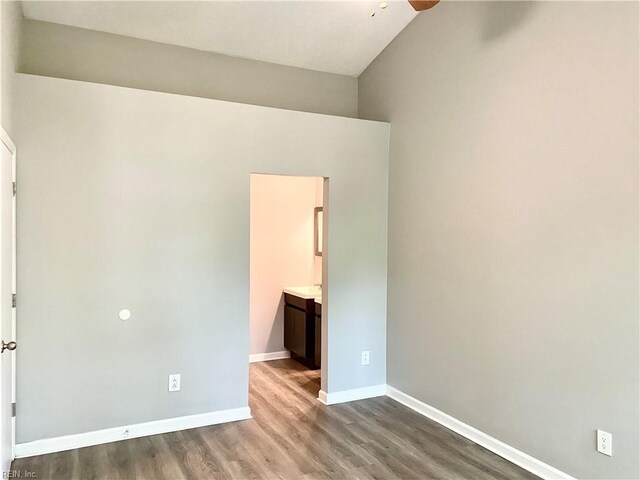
(97, 437)
(70, 442)
(265, 357)
(521, 459)
(351, 395)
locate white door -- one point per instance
(7, 288)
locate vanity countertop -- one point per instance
(306, 292)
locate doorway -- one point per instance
(288, 273)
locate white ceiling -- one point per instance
(337, 36)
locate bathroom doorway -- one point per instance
(288, 272)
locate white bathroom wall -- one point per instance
(281, 251)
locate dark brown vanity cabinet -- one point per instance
(300, 336)
(317, 334)
(295, 330)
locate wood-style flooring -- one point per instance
(291, 436)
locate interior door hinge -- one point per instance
(13, 409)
(13, 301)
(15, 188)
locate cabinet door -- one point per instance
(288, 327)
(295, 330)
(299, 333)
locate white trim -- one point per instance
(514, 455)
(4, 136)
(6, 140)
(265, 357)
(351, 395)
(97, 437)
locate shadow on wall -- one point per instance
(277, 328)
(500, 18)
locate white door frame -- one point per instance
(4, 137)
(324, 332)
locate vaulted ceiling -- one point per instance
(332, 36)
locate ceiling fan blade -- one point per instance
(419, 5)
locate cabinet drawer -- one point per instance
(295, 301)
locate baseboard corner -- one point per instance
(266, 357)
(351, 395)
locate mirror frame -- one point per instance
(317, 242)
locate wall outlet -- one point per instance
(174, 382)
(365, 357)
(604, 442)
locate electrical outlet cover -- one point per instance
(365, 357)
(174, 382)
(604, 442)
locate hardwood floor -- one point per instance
(292, 436)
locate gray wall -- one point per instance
(140, 200)
(78, 54)
(10, 15)
(513, 222)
